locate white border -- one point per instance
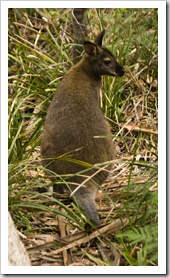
(82, 4)
(161, 268)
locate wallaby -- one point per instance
(75, 127)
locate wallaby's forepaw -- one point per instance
(42, 189)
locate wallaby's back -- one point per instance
(75, 128)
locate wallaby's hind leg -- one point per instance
(85, 198)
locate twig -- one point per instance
(134, 127)
(117, 224)
(62, 226)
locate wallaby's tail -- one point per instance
(85, 198)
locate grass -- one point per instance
(39, 55)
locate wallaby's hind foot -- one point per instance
(58, 188)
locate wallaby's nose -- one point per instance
(121, 71)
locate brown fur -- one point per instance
(73, 121)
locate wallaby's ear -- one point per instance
(90, 48)
(98, 40)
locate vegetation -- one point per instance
(40, 43)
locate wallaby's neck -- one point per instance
(85, 66)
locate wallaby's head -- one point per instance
(101, 59)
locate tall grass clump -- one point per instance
(40, 44)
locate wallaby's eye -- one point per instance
(107, 61)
